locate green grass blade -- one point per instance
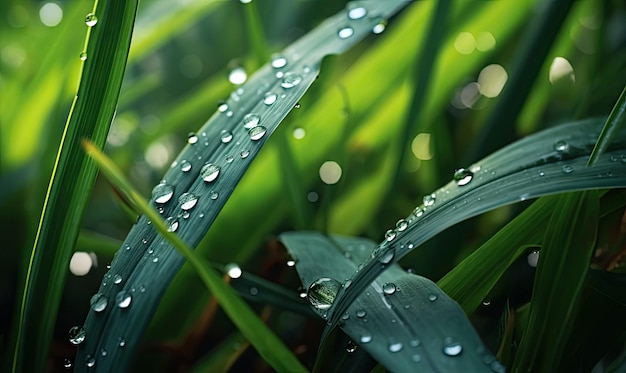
(71, 183)
(568, 246)
(402, 320)
(269, 346)
(615, 122)
(255, 33)
(548, 162)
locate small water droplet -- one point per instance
(366, 338)
(463, 176)
(395, 346)
(389, 288)
(387, 256)
(452, 347)
(209, 172)
(416, 358)
(226, 136)
(254, 291)
(121, 342)
(561, 146)
(278, 62)
(486, 302)
(213, 195)
(90, 361)
(171, 223)
(270, 98)
(345, 316)
(623, 158)
(414, 342)
(103, 352)
(237, 75)
(98, 302)
(567, 169)
(432, 297)
(418, 212)
(233, 270)
(322, 292)
(257, 133)
(291, 263)
(251, 120)
(291, 80)
(91, 19)
(380, 26)
(429, 199)
(77, 335)
(244, 154)
(192, 138)
(187, 201)
(222, 106)
(402, 225)
(155, 260)
(357, 12)
(345, 32)
(83, 56)
(390, 235)
(351, 347)
(533, 258)
(123, 299)
(541, 173)
(185, 165)
(117, 279)
(360, 313)
(67, 363)
(297, 105)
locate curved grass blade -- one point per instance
(71, 183)
(563, 264)
(204, 175)
(615, 122)
(252, 327)
(548, 162)
(404, 321)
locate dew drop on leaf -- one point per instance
(345, 316)
(213, 195)
(117, 279)
(463, 176)
(366, 338)
(345, 32)
(278, 62)
(244, 154)
(162, 193)
(402, 225)
(389, 288)
(187, 201)
(83, 56)
(77, 335)
(387, 256)
(567, 169)
(123, 299)
(257, 133)
(429, 200)
(360, 313)
(90, 361)
(222, 106)
(452, 347)
(171, 223)
(251, 120)
(233, 270)
(209, 172)
(322, 292)
(432, 297)
(395, 346)
(192, 138)
(237, 75)
(121, 342)
(291, 80)
(185, 165)
(67, 363)
(380, 26)
(226, 136)
(91, 20)
(561, 146)
(351, 346)
(390, 235)
(357, 12)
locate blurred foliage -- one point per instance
(177, 71)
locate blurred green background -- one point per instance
(178, 71)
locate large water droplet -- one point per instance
(322, 292)
(270, 98)
(366, 338)
(162, 193)
(395, 346)
(389, 288)
(351, 347)
(402, 225)
(171, 223)
(357, 12)
(429, 199)
(187, 201)
(452, 347)
(244, 154)
(91, 20)
(387, 256)
(233, 270)
(251, 120)
(278, 62)
(237, 75)
(291, 80)
(257, 133)
(390, 235)
(123, 299)
(210, 172)
(463, 176)
(77, 335)
(185, 165)
(561, 146)
(380, 26)
(226, 136)
(360, 313)
(345, 32)
(192, 138)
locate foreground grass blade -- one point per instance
(204, 175)
(563, 264)
(404, 321)
(269, 346)
(615, 122)
(548, 162)
(71, 184)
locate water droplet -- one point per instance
(254, 291)
(257, 133)
(345, 316)
(233, 270)
(432, 297)
(418, 212)
(345, 32)
(185, 165)
(237, 75)
(380, 26)
(452, 347)
(67, 363)
(395, 346)
(187, 201)
(416, 358)
(390, 235)
(366, 338)
(533, 258)
(270, 98)
(561, 146)
(389, 288)
(567, 169)
(192, 138)
(244, 154)
(210, 172)
(387, 256)
(117, 279)
(213, 195)
(229, 158)
(291, 80)
(414, 342)
(77, 335)
(297, 105)
(103, 352)
(155, 260)
(351, 347)
(541, 173)
(360, 313)
(463, 176)
(83, 56)
(278, 62)
(222, 106)
(90, 361)
(91, 20)
(623, 158)
(226, 136)
(171, 223)
(486, 302)
(402, 225)
(429, 200)
(322, 292)
(357, 12)
(251, 120)
(291, 263)
(121, 342)
(123, 299)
